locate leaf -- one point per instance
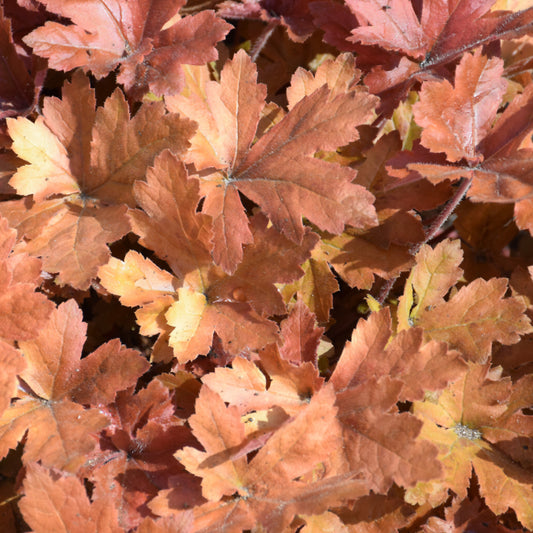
(430, 35)
(372, 354)
(472, 422)
(316, 287)
(58, 502)
(324, 523)
(135, 455)
(170, 224)
(340, 75)
(81, 177)
(278, 171)
(475, 317)
(132, 35)
(380, 443)
(18, 88)
(245, 385)
(498, 169)
(12, 363)
(201, 299)
(219, 429)
(456, 119)
(168, 524)
(290, 453)
(300, 336)
(436, 271)
(295, 16)
(315, 123)
(23, 311)
(271, 495)
(466, 513)
(359, 258)
(60, 432)
(110, 368)
(271, 259)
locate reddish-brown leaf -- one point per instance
(432, 33)
(270, 259)
(477, 423)
(372, 354)
(60, 431)
(294, 16)
(18, 89)
(23, 312)
(109, 369)
(201, 299)
(170, 524)
(82, 164)
(278, 172)
(135, 460)
(300, 336)
(456, 119)
(500, 170)
(12, 363)
(219, 429)
(58, 502)
(379, 442)
(131, 34)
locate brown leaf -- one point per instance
(219, 429)
(133, 35)
(475, 317)
(60, 432)
(59, 502)
(372, 354)
(87, 160)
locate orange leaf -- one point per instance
(219, 429)
(372, 354)
(59, 503)
(87, 160)
(23, 312)
(475, 317)
(60, 432)
(474, 423)
(132, 34)
(456, 119)
(278, 171)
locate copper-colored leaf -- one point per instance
(456, 119)
(474, 423)
(219, 429)
(278, 171)
(23, 312)
(381, 443)
(55, 502)
(300, 335)
(136, 453)
(131, 34)
(372, 354)
(60, 431)
(475, 317)
(87, 160)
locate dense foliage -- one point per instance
(266, 266)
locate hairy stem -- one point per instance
(431, 232)
(263, 39)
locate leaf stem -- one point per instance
(263, 39)
(432, 230)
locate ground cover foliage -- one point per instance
(266, 266)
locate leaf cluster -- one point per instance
(266, 266)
